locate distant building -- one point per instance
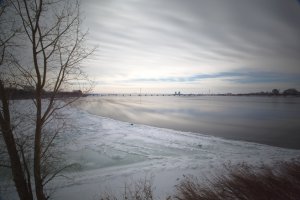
(177, 93)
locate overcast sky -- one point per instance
(221, 45)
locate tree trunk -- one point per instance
(39, 187)
(15, 161)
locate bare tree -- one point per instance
(46, 56)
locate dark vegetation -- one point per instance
(238, 182)
(274, 92)
(139, 190)
(14, 93)
(244, 182)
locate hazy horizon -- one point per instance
(174, 91)
(224, 46)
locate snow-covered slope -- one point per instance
(109, 153)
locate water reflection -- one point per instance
(268, 120)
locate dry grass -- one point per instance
(139, 190)
(243, 182)
(239, 182)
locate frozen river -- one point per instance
(267, 120)
(111, 153)
(108, 153)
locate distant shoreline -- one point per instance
(241, 95)
(261, 119)
(29, 93)
(274, 92)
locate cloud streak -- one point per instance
(237, 77)
(179, 41)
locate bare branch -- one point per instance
(55, 174)
(51, 30)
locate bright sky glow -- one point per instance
(222, 45)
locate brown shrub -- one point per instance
(239, 182)
(244, 182)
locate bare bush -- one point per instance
(139, 190)
(239, 182)
(244, 182)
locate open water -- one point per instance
(268, 120)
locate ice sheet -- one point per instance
(109, 153)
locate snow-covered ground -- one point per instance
(109, 153)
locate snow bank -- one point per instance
(109, 153)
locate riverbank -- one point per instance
(108, 153)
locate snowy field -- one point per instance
(110, 153)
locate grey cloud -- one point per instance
(237, 77)
(247, 33)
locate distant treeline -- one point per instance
(14, 93)
(276, 92)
